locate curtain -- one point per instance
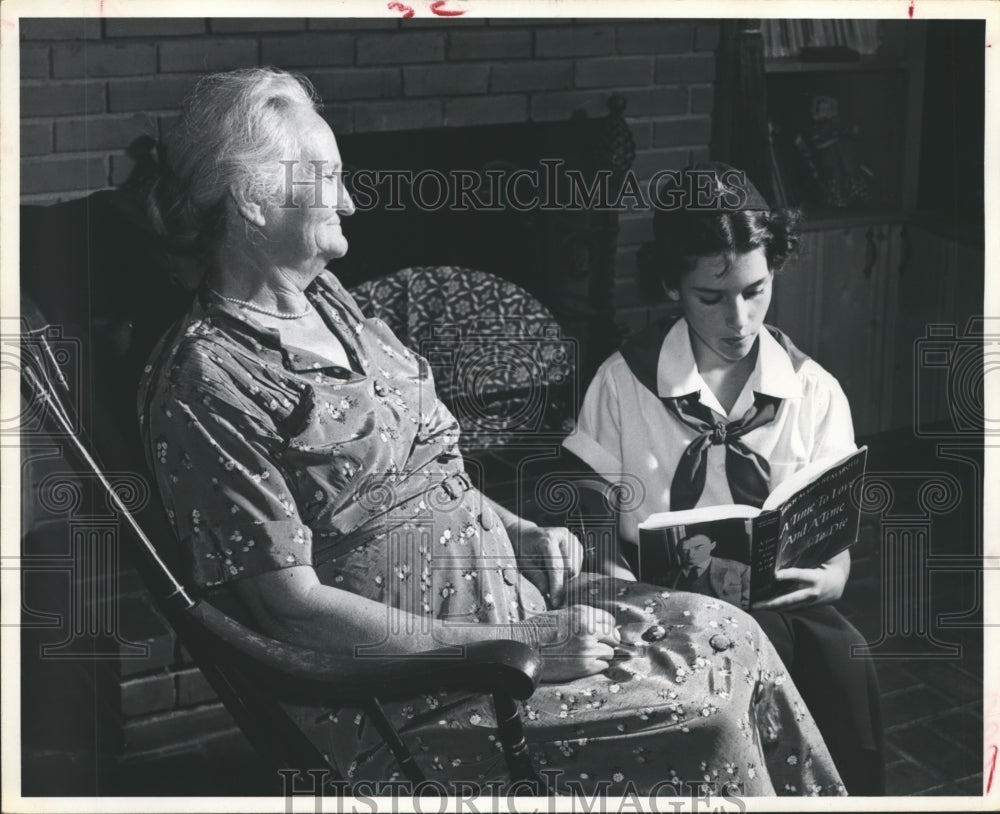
(739, 117)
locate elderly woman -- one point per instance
(317, 491)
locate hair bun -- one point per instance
(232, 133)
(148, 159)
(170, 211)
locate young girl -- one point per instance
(715, 407)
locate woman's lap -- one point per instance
(707, 703)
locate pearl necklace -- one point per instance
(260, 309)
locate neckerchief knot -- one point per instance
(747, 472)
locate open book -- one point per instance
(732, 552)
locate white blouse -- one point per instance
(626, 434)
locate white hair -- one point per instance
(235, 129)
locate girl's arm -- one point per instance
(595, 452)
(817, 586)
(834, 436)
(602, 554)
(551, 556)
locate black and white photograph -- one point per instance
(346, 357)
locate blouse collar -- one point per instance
(677, 373)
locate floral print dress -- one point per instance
(268, 457)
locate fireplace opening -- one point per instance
(461, 197)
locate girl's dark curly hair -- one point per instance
(681, 236)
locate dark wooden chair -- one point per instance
(91, 275)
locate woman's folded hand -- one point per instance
(574, 642)
(549, 557)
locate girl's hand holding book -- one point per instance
(819, 586)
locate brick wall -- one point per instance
(89, 87)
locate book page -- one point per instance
(810, 472)
(703, 515)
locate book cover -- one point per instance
(732, 552)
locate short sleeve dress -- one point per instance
(270, 457)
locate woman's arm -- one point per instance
(292, 605)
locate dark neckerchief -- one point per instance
(746, 471)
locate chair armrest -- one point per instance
(302, 674)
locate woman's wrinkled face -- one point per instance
(725, 311)
(304, 222)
